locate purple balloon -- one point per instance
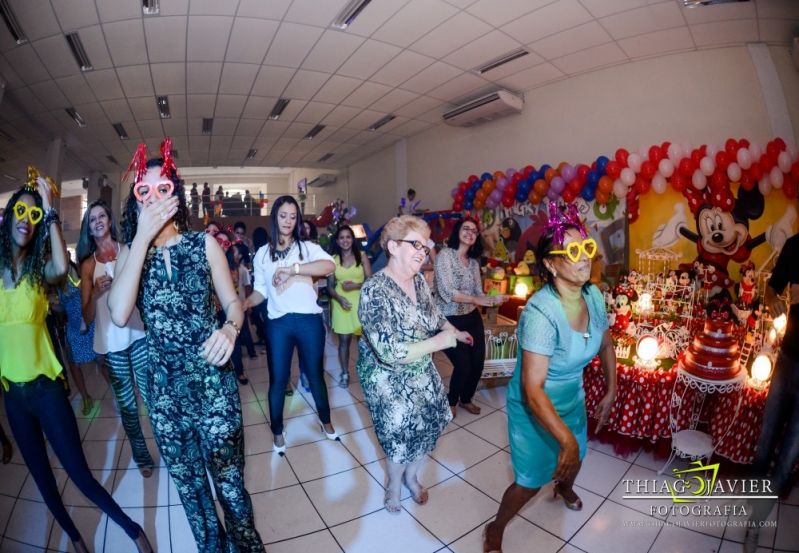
(454, 191)
(552, 194)
(557, 184)
(502, 182)
(568, 173)
(495, 195)
(491, 203)
(510, 172)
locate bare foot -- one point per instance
(419, 494)
(392, 503)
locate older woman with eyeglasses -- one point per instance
(561, 329)
(402, 328)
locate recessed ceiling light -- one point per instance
(313, 132)
(163, 106)
(11, 22)
(76, 45)
(76, 117)
(347, 16)
(277, 109)
(502, 60)
(380, 122)
(121, 132)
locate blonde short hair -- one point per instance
(399, 227)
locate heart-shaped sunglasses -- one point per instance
(143, 190)
(32, 212)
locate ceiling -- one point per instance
(232, 59)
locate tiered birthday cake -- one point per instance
(714, 353)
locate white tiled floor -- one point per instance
(326, 497)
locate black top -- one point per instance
(786, 273)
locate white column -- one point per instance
(773, 94)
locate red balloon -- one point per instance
(621, 156)
(459, 197)
(665, 147)
(747, 182)
(703, 150)
(527, 170)
(795, 171)
(574, 186)
(696, 157)
(457, 206)
(731, 147)
(768, 161)
(516, 178)
(678, 182)
(593, 166)
(463, 186)
(722, 160)
(756, 170)
(473, 178)
(568, 195)
(648, 167)
(582, 171)
(507, 202)
(686, 167)
(718, 181)
(789, 187)
(642, 185)
(743, 143)
(773, 149)
(510, 190)
(655, 155)
(613, 169)
(780, 144)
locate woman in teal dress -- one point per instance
(561, 329)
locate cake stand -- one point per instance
(690, 443)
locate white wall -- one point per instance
(697, 97)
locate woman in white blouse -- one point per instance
(284, 271)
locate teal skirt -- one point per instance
(533, 450)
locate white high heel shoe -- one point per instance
(332, 436)
(280, 449)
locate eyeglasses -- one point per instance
(417, 245)
(470, 230)
(144, 190)
(22, 210)
(575, 250)
(212, 231)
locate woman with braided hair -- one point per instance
(32, 253)
(193, 399)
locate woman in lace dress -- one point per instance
(402, 328)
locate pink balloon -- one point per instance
(784, 162)
(744, 158)
(764, 185)
(675, 152)
(734, 172)
(776, 177)
(755, 150)
(659, 184)
(619, 189)
(699, 180)
(666, 168)
(634, 162)
(628, 175)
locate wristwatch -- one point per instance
(234, 325)
(296, 268)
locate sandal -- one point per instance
(243, 380)
(419, 498)
(391, 504)
(574, 505)
(88, 405)
(146, 471)
(471, 407)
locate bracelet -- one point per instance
(51, 216)
(296, 268)
(234, 325)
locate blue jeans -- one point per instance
(306, 332)
(780, 427)
(41, 408)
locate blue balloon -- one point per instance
(468, 204)
(588, 194)
(520, 196)
(601, 163)
(543, 169)
(592, 178)
(485, 176)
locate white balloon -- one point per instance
(644, 151)
(619, 189)
(675, 153)
(628, 175)
(764, 185)
(712, 150)
(659, 183)
(699, 180)
(776, 177)
(686, 149)
(634, 162)
(666, 167)
(784, 162)
(707, 165)
(734, 172)
(756, 151)
(744, 158)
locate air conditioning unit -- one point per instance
(486, 108)
(325, 179)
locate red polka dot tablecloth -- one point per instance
(643, 400)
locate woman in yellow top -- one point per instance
(32, 251)
(352, 269)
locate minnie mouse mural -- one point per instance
(722, 230)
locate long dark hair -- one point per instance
(86, 243)
(275, 234)
(243, 251)
(260, 238)
(130, 219)
(335, 249)
(545, 245)
(454, 242)
(35, 253)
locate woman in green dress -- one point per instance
(561, 329)
(352, 270)
(402, 328)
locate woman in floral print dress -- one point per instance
(193, 400)
(402, 328)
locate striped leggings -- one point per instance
(122, 366)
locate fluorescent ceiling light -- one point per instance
(151, 7)
(76, 45)
(163, 106)
(502, 60)
(208, 125)
(11, 22)
(120, 130)
(347, 16)
(313, 132)
(251, 154)
(380, 122)
(76, 117)
(277, 109)
(324, 157)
